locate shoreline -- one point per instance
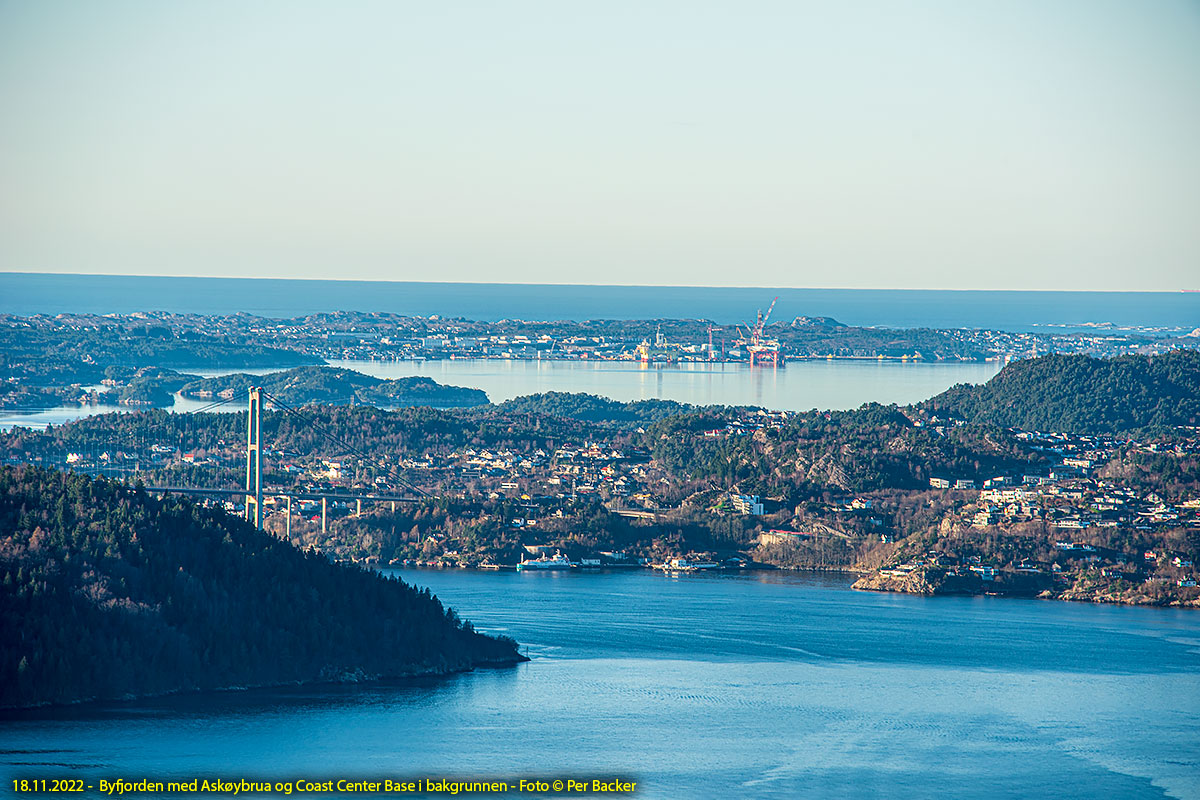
(356, 678)
(921, 584)
(864, 577)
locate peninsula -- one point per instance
(109, 593)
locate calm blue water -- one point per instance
(29, 293)
(800, 386)
(761, 685)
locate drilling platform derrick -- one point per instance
(761, 350)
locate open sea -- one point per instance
(32, 293)
(755, 685)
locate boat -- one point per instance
(556, 561)
(658, 353)
(686, 565)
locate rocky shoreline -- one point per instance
(930, 582)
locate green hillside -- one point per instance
(1081, 394)
(590, 408)
(337, 386)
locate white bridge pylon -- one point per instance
(254, 493)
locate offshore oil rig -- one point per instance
(761, 350)
(752, 345)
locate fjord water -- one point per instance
(748, 685)
(800, 386)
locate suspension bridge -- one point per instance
(255, 494)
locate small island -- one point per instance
(336, 387)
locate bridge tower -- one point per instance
(254, 457)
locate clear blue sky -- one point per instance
(1026, 144)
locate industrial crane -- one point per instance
(760, 349)
(756, 334)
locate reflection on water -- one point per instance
(800, 386)
(63, 414)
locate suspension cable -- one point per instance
(221, 402)
(390, 470)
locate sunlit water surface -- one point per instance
(799, 386)
(754, 685)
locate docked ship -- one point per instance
(658, 352)
(556, 561)
(686, 565)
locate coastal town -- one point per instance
(605, 400)
(953, 494)
(1079, 520)
(360, 336)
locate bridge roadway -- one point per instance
(395, 498)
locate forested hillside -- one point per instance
(1081, 394)
(590, 408)
(873, 448)
(338, 386)
(107, 592)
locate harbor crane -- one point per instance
(762, 351)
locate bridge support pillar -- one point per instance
(324, 518)
(289, 518)
(358, 507)
(254, 458)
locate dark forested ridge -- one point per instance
(1081, 394)
(591, 408)
(108, 593)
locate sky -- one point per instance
(1018, 144)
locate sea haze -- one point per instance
(30, 293)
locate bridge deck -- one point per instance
(284, 493)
